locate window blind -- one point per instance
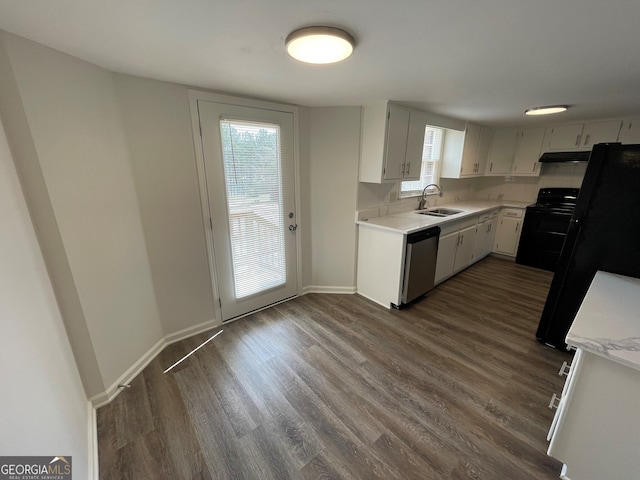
(252, 170)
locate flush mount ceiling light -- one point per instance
(319, 45)
(546, 110)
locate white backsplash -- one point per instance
(520, 189)
(525, 189)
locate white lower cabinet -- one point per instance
(446, 256)
(464, 251)
(596, 430)
(485, 234)
(380, 265)
(455, 248)
(508, 231)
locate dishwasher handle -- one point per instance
(423, 235)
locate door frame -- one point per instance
(199, 95)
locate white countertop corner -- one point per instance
(608, 321)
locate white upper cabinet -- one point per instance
(599, 132)
(470, 150)
(563, 138)
(391, 145)
(503, 150)
(484, 145)
(580, 136)
(396, 144)
(415, 144)
(528, 148)
(515, 152)
(465, 153)
(630, 131)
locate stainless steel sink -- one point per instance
(439, 212)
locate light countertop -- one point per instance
(410, 221)
(608, 322)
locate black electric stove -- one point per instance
(545, 227)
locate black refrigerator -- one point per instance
(604, 234)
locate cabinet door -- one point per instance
(503, 149)
(464, 252)
(599, 132)
(528, 152)
(507, 235)
(484, 144)
(630, 131)
(484, 238)
(481, 240)
(470, 150)
(491, 235)
(446, 256)
(415, 145)
(563, 138)
(396, 145)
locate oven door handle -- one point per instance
(539, 211)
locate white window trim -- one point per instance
(437, 170)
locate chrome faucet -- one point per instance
(423, 197)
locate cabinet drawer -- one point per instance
(487, 216)
(458, 225)
(512, 212)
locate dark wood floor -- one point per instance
(336, 387)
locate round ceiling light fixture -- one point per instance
(548, 110)
(319, 45)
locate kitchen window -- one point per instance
(430, 168)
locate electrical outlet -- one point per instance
(393, 196)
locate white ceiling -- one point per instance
(484, 61)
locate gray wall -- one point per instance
(76, 152)
(43, 408)
(157, 123)
(108, 168)
(333, 181)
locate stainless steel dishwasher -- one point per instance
(420, 263)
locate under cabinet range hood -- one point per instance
(557, 157)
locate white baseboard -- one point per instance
(112, 391)
(93, 465)
(328, 289)
(191, 331)
(103, 398)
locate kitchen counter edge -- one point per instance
(410, 221)
(606, 323)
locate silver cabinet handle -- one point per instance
(555, 402)
(586, 139)
(517, 225)
(564, 369)
(491, 167)
(578, 139)
(408, 168)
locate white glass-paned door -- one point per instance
(249, 170)
(253, 181)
